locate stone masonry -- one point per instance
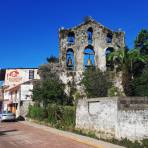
(87, 44)
(101, 38)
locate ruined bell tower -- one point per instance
(88, 44)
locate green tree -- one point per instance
(49, 91)
(118, 58)
(50, 70)
(141, 41)
(126, 61)
(50, 88)
(37, 92)
(96, 83)
(140, 84)
(52, 59)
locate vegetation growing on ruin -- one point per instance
(96, 83)
(134, 66)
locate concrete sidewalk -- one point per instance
(82, 139)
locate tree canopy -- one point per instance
(141, 41)
(133, 63)
(49, 91)
(50, 88)
(96, 83)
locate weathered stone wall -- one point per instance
(99, 46)
(132, 117)
(132, 124)
(70, 77)
(114, 117)
(99, 43)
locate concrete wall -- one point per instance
(114, 117)
(26, 91)
(24, 107)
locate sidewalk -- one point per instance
(82, 139)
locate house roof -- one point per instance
(18, 86)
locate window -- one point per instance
(31, 74)
(109, 64)
(109, 38)
(90, 34)
(71, 38)
(70, 59)
(89, 56)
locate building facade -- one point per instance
(1, 99)
(88, 44)
(18, 85)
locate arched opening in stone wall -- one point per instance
(70, 59)
(90, 35)
(109, 38)
(89, 56)
(109, 64)
(71, 38)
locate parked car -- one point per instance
(7, 116)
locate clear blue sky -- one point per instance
(29, 28)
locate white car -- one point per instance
(7, 116)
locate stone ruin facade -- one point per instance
(86, 45)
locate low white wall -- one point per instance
(132, 124)
(110, 117)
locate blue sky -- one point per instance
(29, 28)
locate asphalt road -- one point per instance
(18, 135)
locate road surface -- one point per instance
(19, 135)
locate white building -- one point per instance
(18, 89)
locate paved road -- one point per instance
(18, 135)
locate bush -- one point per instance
(140, 84)
(113, 91)
(69, 116)
(96, 83)
(36, 112)
(49, 91)
(62, 117)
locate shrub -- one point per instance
(145, 143)
(112, 91)
(69, 116)
(140, 84)
(96, 83)
(36, 112)
(62, 117)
